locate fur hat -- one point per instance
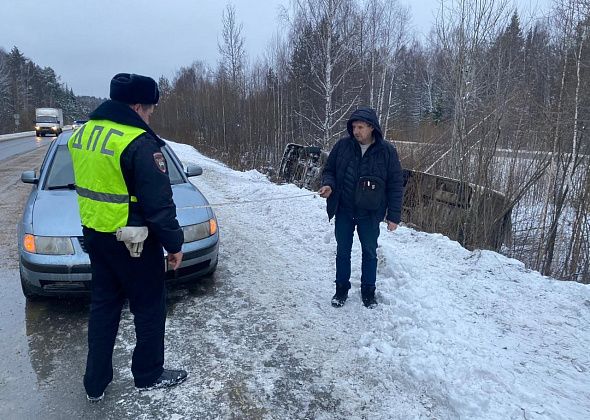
(134, 89)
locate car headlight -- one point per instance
(48, 245)
(199, 231)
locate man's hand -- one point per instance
(391, 226)
(174, 260)
(325, 191)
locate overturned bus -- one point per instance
(475, 216)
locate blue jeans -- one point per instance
(368, 231)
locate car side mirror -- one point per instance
(193, 170)
(29, 177)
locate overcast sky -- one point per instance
(87, 42)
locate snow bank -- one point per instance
(457, 334)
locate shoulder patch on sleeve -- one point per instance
(160, 161)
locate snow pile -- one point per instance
(457, 334)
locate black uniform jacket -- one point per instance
(146, 177)
(346, 165)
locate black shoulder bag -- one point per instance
(370, 193)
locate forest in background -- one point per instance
(487, 98)
(25, 86)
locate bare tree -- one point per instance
(231, 47)
(491, 102)
(573, 17)
(231, 70)
(327, 40)
(464, 28)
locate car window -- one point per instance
(173, 169)
(47, 119)
(61, 172)
(46, 158)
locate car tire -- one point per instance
(29, 294)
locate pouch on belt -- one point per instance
(133, 237)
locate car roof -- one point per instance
(63, 137)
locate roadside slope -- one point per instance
(457, 333)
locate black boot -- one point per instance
(167, 379)
(341, 295)
(368, 295)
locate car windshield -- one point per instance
(46, 119)
(61, 173)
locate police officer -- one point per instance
(124, 195)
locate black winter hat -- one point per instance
(134, 89)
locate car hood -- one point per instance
(55, 213)
(190, 205)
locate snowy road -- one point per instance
(273, 334)
(457, 334)
(11, 147)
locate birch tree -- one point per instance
(384, 33)
(574, 16)
(327, 39)
(464, 28)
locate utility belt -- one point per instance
(133, 237)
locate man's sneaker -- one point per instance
(167, 379)
(95, 399)
(340, 297)
(368, 296)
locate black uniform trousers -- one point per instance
(117, 276)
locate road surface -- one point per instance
(13, 147)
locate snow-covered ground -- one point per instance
(457, 334)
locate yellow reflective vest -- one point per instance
(96, 150)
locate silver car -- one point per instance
(52, 258)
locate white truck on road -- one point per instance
(48, 120)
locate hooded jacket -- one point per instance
(145, 178)
(346, 164)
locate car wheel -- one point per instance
(29, 294)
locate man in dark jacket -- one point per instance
(363, 183)
(128, 215)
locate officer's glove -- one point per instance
(133, 237)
